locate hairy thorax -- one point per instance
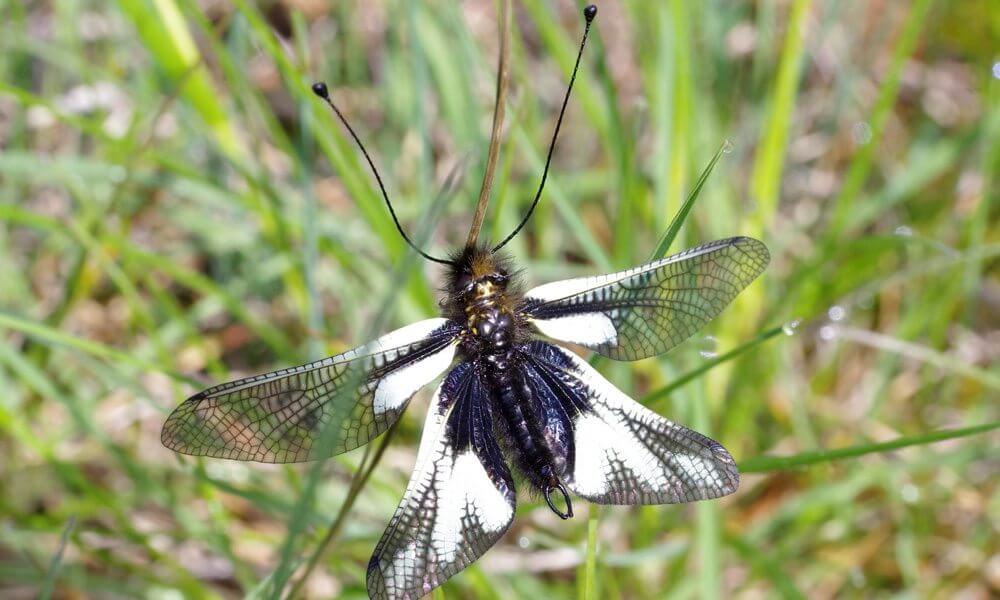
(489, 319)
(482, 296)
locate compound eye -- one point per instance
(464, 284)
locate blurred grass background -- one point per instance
(176, 210)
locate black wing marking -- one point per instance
(460, 499)
(279, 417)
(647, 310)
(620, 452)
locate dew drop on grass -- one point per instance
(862, 133)
(523, 542)
(903, 230)
(836, 313)
(707, 346)
(790, 327)
(827, 332)
(728, 146)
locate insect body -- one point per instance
(497, 345)
(509, 398)
(564, 425)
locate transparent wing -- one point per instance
(279, 417)
(647, 310)
(618, 451)
(460, 499)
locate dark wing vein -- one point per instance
(647, 310)
(281, 417)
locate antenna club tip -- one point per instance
(319, 88)
(590, 12)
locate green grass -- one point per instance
(177, 209)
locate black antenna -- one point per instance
(320, 90)
(588, 13)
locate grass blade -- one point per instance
(710, 364)
(166, 36)
(685, 210)
(590, 565)
(768, 464)
(771, 155)
(56, 564)
(707, 526)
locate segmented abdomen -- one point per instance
(515, 403)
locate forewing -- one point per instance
(647, 310)
(460, 499)
(280, 417)
(623, 452)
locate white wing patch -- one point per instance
(398, 387)
(586, 329)
(466, 489)
(453, 509)
(601, 447)
(627, 454)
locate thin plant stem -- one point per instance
(56, 563)
(503, 77)
(590, 568)
(357, 484)
(766, 464)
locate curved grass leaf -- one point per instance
(767, 464)
(56, 564)
(675, 225)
